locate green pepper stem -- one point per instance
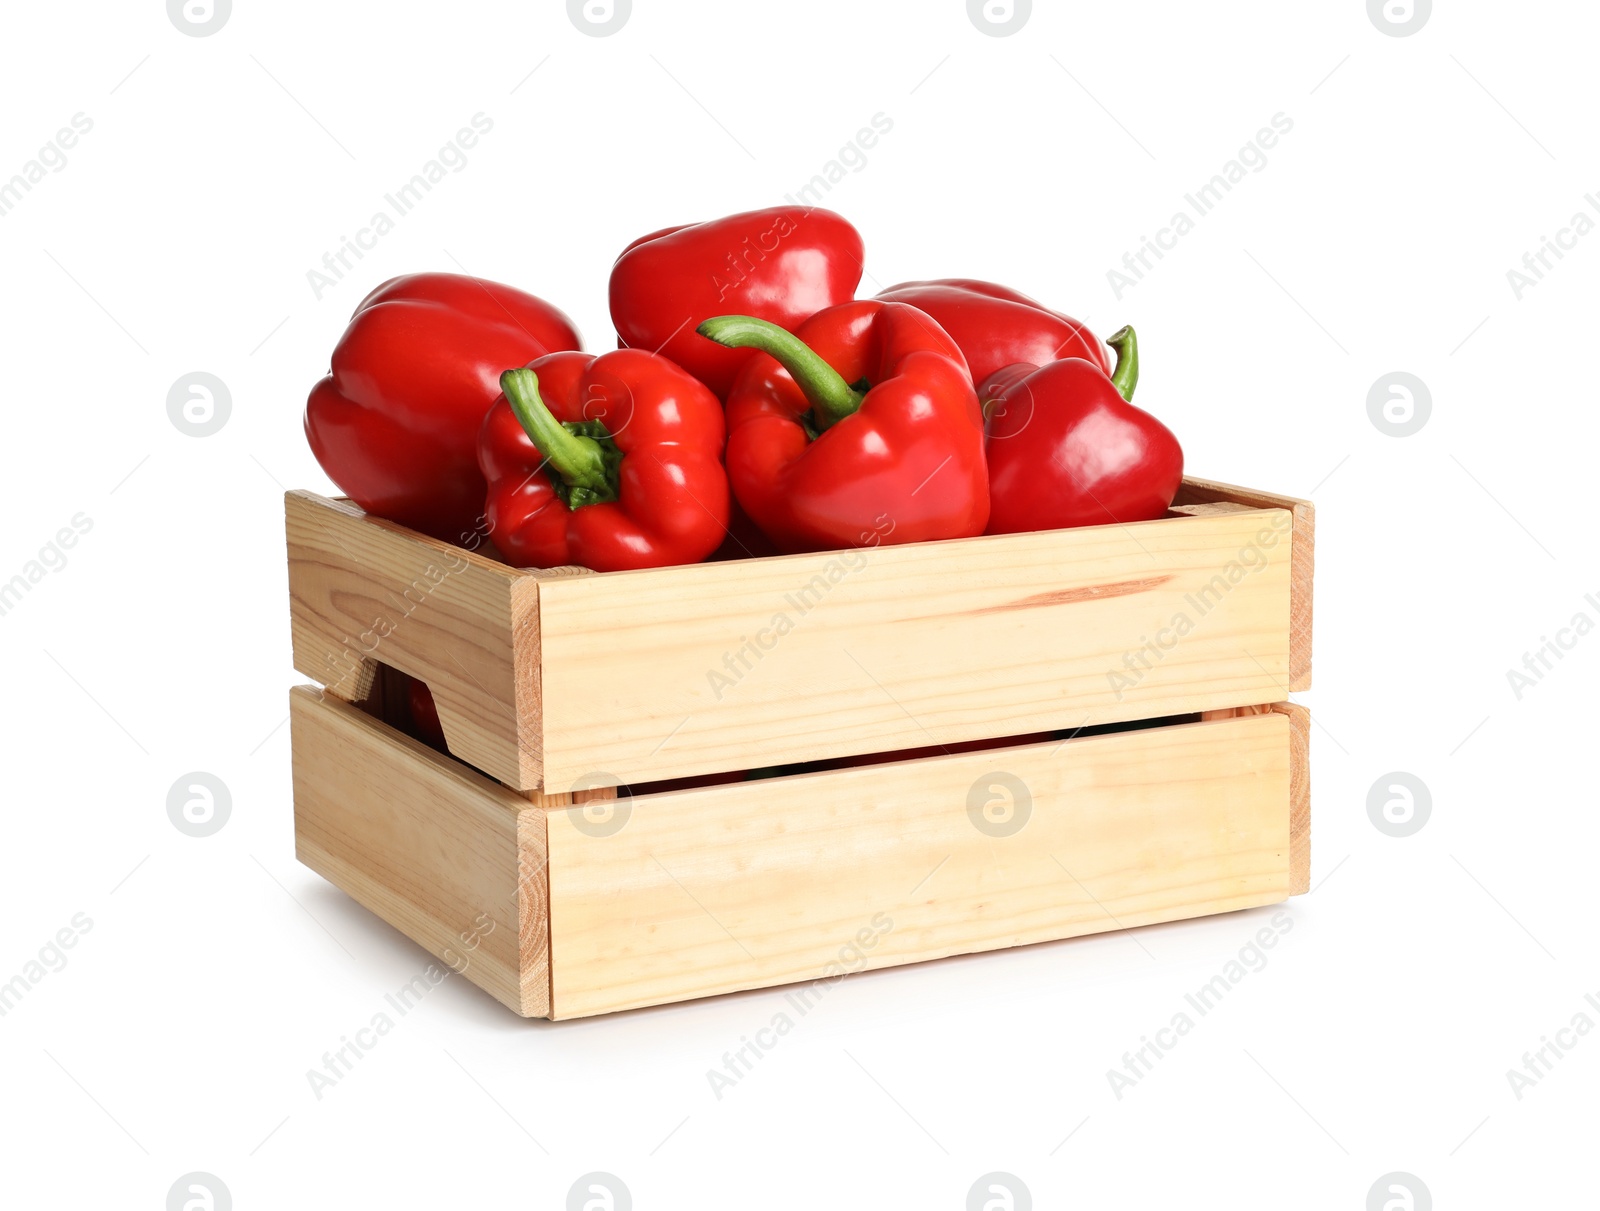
(579, 461)
(1126, 376)
(831, 398)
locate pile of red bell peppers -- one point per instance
(754, 405)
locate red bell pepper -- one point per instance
(820, 464)
(996, 327)
(606, 462)
(783, 264)
(425, 725)
(395, 422)
(1067, 448)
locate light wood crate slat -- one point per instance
(752, 884)
(683, 670)
(705, 892)
(1299, 718)
(427, 844)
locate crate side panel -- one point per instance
(732, 666)
(363, 590)
(754, 884)
(420, 840)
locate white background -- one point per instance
(1378, 237)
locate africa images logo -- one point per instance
(999, 1192)
(199, 18)
(999, 18)
(1399, 18)
(599, 18)
(599, 1191)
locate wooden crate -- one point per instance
(541, 857)
(553, 680)
(566, 911)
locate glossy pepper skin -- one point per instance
(1067, 448)
(997, 327)
(783, 264)
(395, 422)
(860, 429)
(606, 462)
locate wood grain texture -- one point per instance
(533, 911)
(364, 591)
(1299, 718)
(1213, 509)
(1303, 567)
(752, 884)
(1299, 796)
(432, 847)
(683, 671)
